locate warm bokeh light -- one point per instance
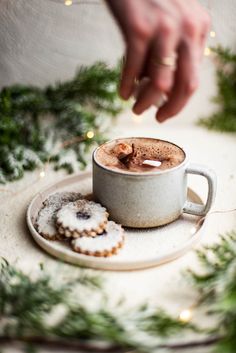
(212, 34)
(42, 174)
(207, 51)
(68, 2)
(90, 134)
(185, 315)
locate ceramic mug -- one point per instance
(149, 199)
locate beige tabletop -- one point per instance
(66, 38)
(164, 285)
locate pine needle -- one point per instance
(33, 120)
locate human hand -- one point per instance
(165, 42)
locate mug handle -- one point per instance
(195, 208)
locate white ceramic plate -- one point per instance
(143, 247)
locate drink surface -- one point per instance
(139, 155)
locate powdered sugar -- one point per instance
(104, 242)
(47, 215)
(71, 216)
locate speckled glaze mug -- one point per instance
(149, 199)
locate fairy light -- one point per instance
(42, 174)
(68, 2)
(209, 7)
(185, 315)
(212, 34)
(90, 134)
(207, 51)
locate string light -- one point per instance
(68, 2)
(90, 134)
(185, 315)
(42, 174)
(212, 34)
(209, 7)
(207, 51)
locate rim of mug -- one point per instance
(134, 174)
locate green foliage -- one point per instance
(225, 117)
(217, 286)
(24, 303)
(159, 322)
(28, 306)
(34, 120)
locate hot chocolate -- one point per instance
(139, 155)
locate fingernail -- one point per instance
(160, 118)
(125, 91)
(136, 110)
(124, 94)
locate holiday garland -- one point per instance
(224, 119)
(41, 312)
(34, 121)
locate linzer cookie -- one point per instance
(81, 218)
(60, 199)
(104, 245)
(45, 223)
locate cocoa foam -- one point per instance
(128, 155)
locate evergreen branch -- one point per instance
(28, 307)
(74, 345)
(217, 287)
(34, 120)
(224, 119)
(60, 343)
(216, 261)
(32, 308)
(225, 54)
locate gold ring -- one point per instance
(167, 61)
